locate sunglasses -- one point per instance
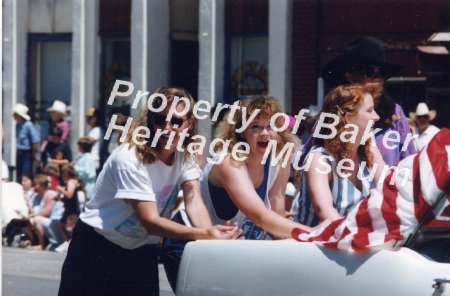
(159, 119)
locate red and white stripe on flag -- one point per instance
(392, 211)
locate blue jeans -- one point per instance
(171, 252)
(24, 164)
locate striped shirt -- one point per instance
(345, 195)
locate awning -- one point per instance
(433, 49)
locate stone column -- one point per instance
(212, 57)
(280, 35)
(85, 65)
(15, 27)
(150, 28)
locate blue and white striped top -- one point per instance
(345, 194)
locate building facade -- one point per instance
(220, 50)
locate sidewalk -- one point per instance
(26, 272)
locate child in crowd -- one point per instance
(54, 175)
(74, 185)
(85, 165)
(56, 150)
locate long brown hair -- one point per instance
(146, 153)
(72, 174)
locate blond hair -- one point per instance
(267, 106)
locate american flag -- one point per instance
(391, 212)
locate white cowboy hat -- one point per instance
(58, 106)
(21, 110)
(422, 109)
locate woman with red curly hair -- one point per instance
(349, 163)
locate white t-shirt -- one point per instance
(426, 136)
(5, 170)
(97, 134)
(14, 205)
(125, 177)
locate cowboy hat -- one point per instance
(362, 52)
(22, 111)
(422, 109)
(58, 106)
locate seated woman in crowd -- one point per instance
(351, 167)
(47, 204)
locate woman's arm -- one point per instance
(319, 189)
(236, 181)
(195, 208)
(59, 161)
(156, 225)
(71, 187)
(277, 194)
(50, 200)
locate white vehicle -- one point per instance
(294, 268)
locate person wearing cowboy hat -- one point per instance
(364, 57)
(362, 61)
(27, 141)
(426, 131)
(58, 111)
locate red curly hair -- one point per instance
(343, 100)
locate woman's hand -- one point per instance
(223, 232)
(323, 224)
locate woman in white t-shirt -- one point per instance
(114, 245)
(94, 117)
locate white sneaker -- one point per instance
(62, 248)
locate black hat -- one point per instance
(363, 51)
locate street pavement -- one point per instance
(29, 273)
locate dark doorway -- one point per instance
(184, 65)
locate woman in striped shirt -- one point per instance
(346, 161)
